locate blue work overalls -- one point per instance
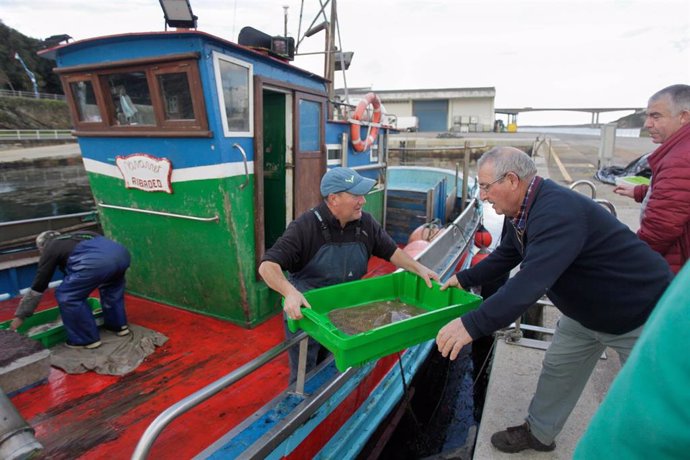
(333, 263)
(95, 263)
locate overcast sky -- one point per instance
(546, 53)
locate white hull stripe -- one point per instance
(218, 171)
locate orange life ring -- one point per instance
(357, 143)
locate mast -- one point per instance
(330, 54)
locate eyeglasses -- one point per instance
(485, 187)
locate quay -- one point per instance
(13, 154)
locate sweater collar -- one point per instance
(520, 220)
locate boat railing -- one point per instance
(196, 398)
(26, 230)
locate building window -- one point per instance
(234, 80)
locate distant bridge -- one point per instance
(595, 111)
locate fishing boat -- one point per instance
(199, 152)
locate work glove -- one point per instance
(28, 304)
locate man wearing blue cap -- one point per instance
(330, 244)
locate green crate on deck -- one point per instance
(54, 335)
(355, 350)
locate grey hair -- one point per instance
(43, 238)
(679, 96)
(509, 159)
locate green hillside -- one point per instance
(12, 73)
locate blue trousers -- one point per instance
(98, 263)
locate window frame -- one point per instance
(217, 56)
(97, 75)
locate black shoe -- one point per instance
(119, 331)
(88, 346)
(517, 438)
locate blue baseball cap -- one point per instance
(338, 180)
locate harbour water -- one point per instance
(43, 188)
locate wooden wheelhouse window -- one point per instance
(137, 98)
(129, 99)
(85, 101)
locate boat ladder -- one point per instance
(606, 203)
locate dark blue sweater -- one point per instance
(593, 268)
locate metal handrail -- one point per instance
(591, 185)
(41, 219)
(160, 213)
(246, 168)
(31, 94)
(607, 204)
(196, 398)
(35, 134)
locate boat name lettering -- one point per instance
(145, 172)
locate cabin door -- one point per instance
(290, 158)
(310, 150)
(277, 156)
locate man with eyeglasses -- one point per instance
(327, 245)
(596, 271)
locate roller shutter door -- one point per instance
(432, 115)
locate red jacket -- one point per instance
(665, 224)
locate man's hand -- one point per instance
(401, 259)
(293, 304)
(625, 190)
(427, 274)
(16, 324)
(451, 338)
(452, 282)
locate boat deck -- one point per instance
(98, 416)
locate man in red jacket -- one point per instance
(665, 223)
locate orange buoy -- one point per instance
(482, 239)
(461, 262)
(479, 256)
(426, 232)
(355, 123)
(416, 247)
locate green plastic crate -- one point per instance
(54, 335)
(355, 350)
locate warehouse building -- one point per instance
(448, 109)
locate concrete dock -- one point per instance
(11, 154)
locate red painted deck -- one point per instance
(92, 416)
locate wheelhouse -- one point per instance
(199, 153)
